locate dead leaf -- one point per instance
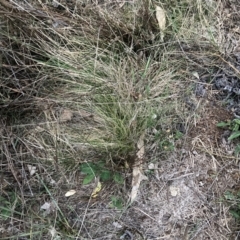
(126, 165)
(137, 178)
(70, 193)
(121, 3)
(161, 18)
(174, 191)
(196, 75)
(52, 182)
(96, 190)
(39, 129)
(117, 225)
(66, 115)
(31, 169)
(45, 206)
(48, 207)
(151, 166)
(154, 116)
(140, 146)
(53, 232)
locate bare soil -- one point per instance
(183, 198)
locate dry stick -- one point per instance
(85, 213)
(97, 47)
(146, 214)
(7, 4)
(183, 176)
(235, 69)
(237, 236)
(23, 170)
(8, 156)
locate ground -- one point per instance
(93, 91)
(182, 197)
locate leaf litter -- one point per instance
(187, 192)
(70, 193)
(137, 175)
(161, 18)
(181, 198)
(96, 190)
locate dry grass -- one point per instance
(81, 85)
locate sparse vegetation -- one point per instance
(233, 201)
(79, 85)
(98, 170)
(233, 126)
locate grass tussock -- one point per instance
(84, 81)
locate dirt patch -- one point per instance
(181, 200)
(205, 125)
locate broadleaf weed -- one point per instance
(92, 170)
(233, 126)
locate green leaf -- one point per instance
(118, 178)
(178, 135)
(85, 168)
(235, 214)
(100, 165)
(5, 213)
(237, 121)
(223, 124)
(237, 149)
(88, 179)
(116, 202)
(234, 135)
(105, 175)
(88, 168)
(3, 200)
(235, 127)
(229, 196)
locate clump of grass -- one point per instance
(107, 71)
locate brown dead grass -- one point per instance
(48, 119)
